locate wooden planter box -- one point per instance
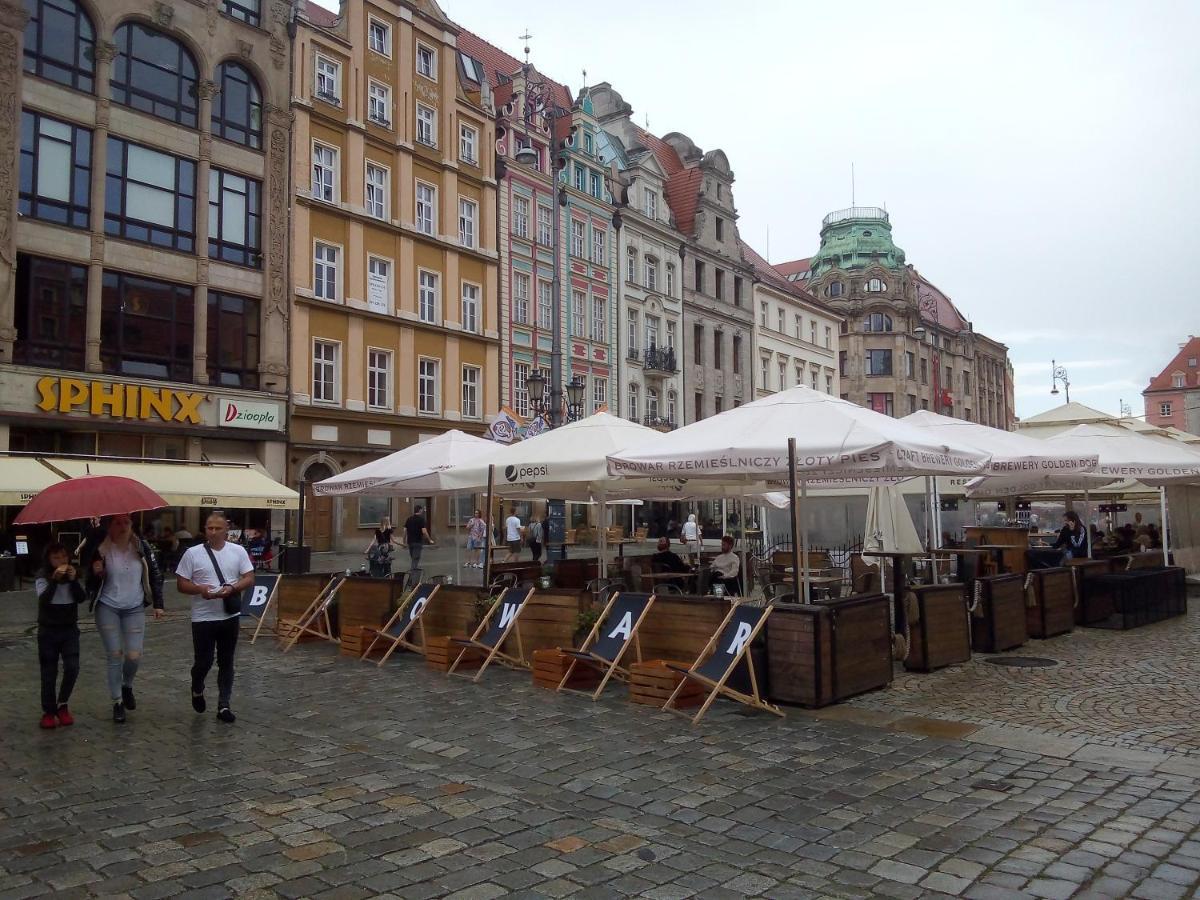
(651, 683)
(939, 634)
(440, 655)
(1050, 609)
(998, 622)
(365, 602)
(355, 640)
(549, 667)
(1094, 606)
(822, 653)
(285, 630)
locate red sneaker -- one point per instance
(64, 716)
(48, 720)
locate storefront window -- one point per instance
(233, 326)
(51, 314)
(146, 328)
(372, 510)
(46, 440)
(113, 443)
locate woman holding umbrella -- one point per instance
(123, 581)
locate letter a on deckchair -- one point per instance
(612, 635)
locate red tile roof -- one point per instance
(1179, 363)
(319, 15)
(683, 196)
(663, 152)
(794, 268)
(948, 315)
(499, 66)
(772, 275)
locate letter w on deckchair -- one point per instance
(397, 632)
(489, 637)
(613, 633)
(723, 653)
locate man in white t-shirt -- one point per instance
(214, 629)
(512, 535)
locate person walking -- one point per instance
(59, 594)
(416, 533)
(124, 580)
(379, 551)
(476, 540)
(690, 536)
(536, 536)
(512, 535)
(214, 574)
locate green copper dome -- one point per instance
(854, 239)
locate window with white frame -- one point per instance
(471, 376)
(631, 261)
(652, 403)
(379, 378)
(426, 125)
(599, 392)
(652, 332)
(578, 314)
(597, 185)
(671, 335)
(379, 103)
(812, 331)
(428, 289)
(766, 371)
(828, 337)
(427, 62)
(1177, 380)
(426, 219)
(783, 375)
(763, 312)
(634, 406)
(324, 173)
(520, 218)
(545, 310)
(580, 177)
(1164, 409)
(468, 142)
(670, 280)
(379, 36)
(672, 403)
(520, 298)
(599, 319)
(520, 392)
(429, 386)
(798, 321)
(328, 80)
(799, 374)
(545, 225)
(325, 271)
(379, 285)
(781, 320)
(470, 307)
(650, 270)
(599, 241)
(651, 203)
(813, 378)
(829, 387)
(632, 335)
(376, 192)
(467, 211)
(325, 366)
(578, 238)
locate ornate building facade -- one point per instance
(395, 327)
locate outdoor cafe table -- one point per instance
(688, 578)
(967, 556)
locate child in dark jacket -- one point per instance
(59, 594)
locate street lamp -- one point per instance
(545, 406)
(1059, 373)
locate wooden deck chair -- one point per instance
(397, 630)
(315, 620)
(613, 633)
(492, 631)
(724, 651)
(259, 599)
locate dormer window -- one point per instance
(876, 285)
(1177, 380)
(587, 143)
(652, 213)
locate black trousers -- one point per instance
(57, 642)
(535, 547)
(220, 637)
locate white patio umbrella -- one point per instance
(889, 527)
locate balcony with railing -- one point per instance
(855, 212)
(659, 423)
(661, 359)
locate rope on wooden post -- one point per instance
(1030, 595)
(976, 607)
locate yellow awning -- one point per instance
(21, 477)
(194, 484)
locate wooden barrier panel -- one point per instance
(822, 653)
(1093, 606)
(550, 619)
(366, 601)
(681, 627)
(293, 597)
(998, 621)
(452, 615)
(939, 635)
(1050, 607)
(574, 574)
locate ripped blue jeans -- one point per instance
(122, 631)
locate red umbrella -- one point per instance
(88, 496)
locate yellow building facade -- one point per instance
(394, 320)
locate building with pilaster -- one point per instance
(144, 231)
(395, 332)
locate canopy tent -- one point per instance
(192, 483)
(1011, 452)
(22, 477)
(422, 459)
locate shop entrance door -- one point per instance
(318, 510)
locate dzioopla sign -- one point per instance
(118, 401)
(247, 414)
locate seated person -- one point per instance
(667, 561)
(725, 569)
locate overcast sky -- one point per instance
(1040, 160)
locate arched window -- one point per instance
(877, 322)
(875, 285)
(155, 73)
(60, 43)
(237, 109)
(835, 289)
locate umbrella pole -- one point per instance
(603, 536)
(487, 537)
(1162, 496)
(804, 536)
(1087, 511)
(937, 514)
(928, 515)
(457, 540)
(795, 508)
(745, 575)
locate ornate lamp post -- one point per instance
(550, 406)
(1059, 373)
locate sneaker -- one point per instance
(119, 712)
(48, 720)
(225, 714)
(127, 697)
(64, 716)
(198, 703)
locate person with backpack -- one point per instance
(535, 536)
(379, 554)
(59, 594)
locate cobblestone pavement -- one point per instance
(343, 780)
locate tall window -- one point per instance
(427, 61)
(56, 170)
(146, 328)
(764, 311)
(580, 177)
(828, 338)
(875, 322)
(325, 370)
(234, 218)
(545, 310)
(520, 392)
(325, 271)
(599, 319)
(718, 342)
(779, 320)
(765, 370)
(426, 208)
(834, 289)
(634, 405)
(875, 285)
(910, 362)
(520, 300)
(737, 355)
(652, 403)
(737, 290)
(651, 204)
(783, 375)
(379, 103)
(699, 276)
(578, 237)
(379, 285)
(720, 282)
(470, 307)
(881, 403)
(879, 362)
(150, 196)
(429, 386)
(599, 237)
(426, 125)
(379, 379)
(597, 186)
(544, 225)
(324, 173)
(328, 78)
(466, 222)
(812, 332)
(698, 343)
(651, 271)
(672, 404)
(924, 371)
(671, 335)
(428, 288)
(468, 141)
(599, 392)
(631, 261)
(60, 43)
(51, 314)
(470, 391)
(376, 191)
(578, 314)
(670, 280)
(379, 36)
(233, 332)
(246, 10)
(237, 107)
(154, 73)
(521, 217)
(651, 332)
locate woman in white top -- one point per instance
(690, 535)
